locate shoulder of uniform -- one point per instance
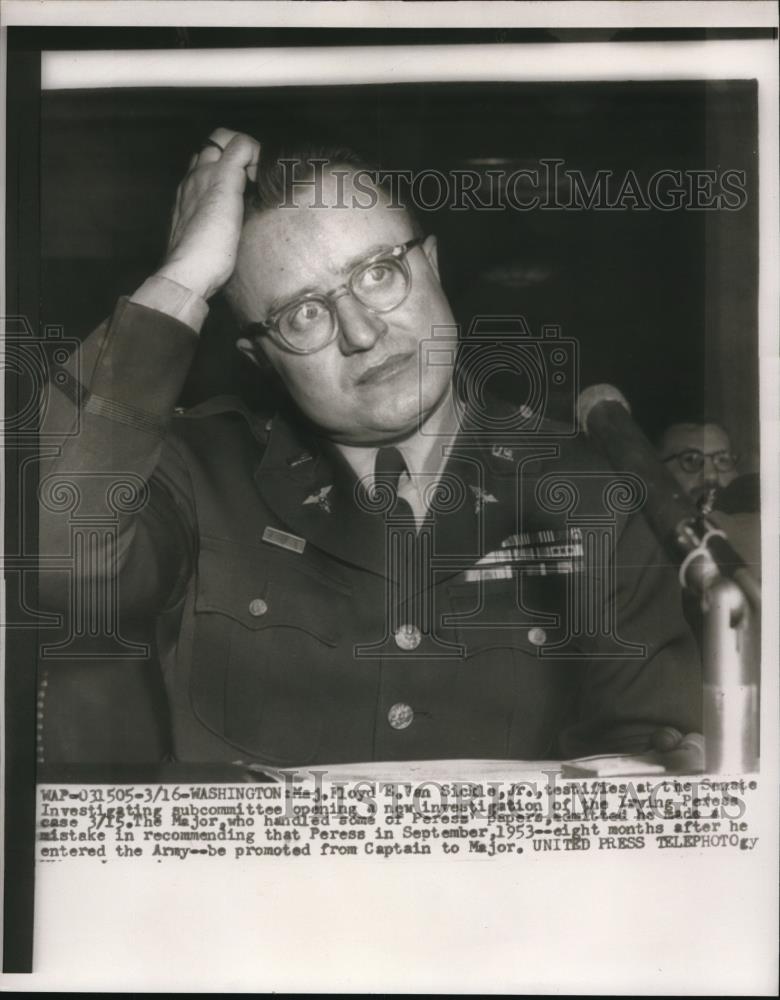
(549, 427)
(226, 405)
(213, 405)
(520, 418)
(582, 452)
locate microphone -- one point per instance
(605, 416)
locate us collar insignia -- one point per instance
(321, 499)
(501, 451)
(481, 498)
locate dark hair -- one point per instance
(696, 419)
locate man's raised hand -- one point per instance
(209, 211)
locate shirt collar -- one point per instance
(425, 451)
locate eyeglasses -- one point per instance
(380, 283)
(692, 460)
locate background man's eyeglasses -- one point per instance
(380, 283)
(692, 460)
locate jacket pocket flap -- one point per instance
(488, 616)
(259, 590)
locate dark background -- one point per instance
(661, 303)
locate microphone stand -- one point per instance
(730, 599)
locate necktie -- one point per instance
(388, 469)
(400, 539)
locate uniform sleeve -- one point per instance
(657, 682)
(175, 300)
(115, 502)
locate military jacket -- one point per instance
(534, 615)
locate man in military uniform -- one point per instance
(378, 571)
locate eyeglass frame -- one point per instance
(704, 455)
(270, 324)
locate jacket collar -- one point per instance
(313, 491)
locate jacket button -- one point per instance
(537, 636)
(400, 715)
(407, 637)
(257, 607)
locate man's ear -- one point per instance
(248, 349)
(431, 251)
